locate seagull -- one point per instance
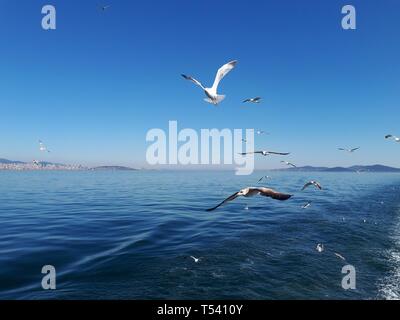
(260, 132)
(250, 192)
(289, 164)
(196, 260)
(42, 147)
(266, 153)
(211, 93)
(104, 8)
(36, 162)
(320, 247)
(307, 205)
(311, 183)
(244, 140)
(394, 137)
(253, 100)
(349, 150)
(340, 256)
(265, 177)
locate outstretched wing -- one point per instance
(247, 100)
(266, 192)
(306, 186)
(232, 197)
(222, 72)
(341, 149)
(279, 153)
(196, 82)
(388, 136)
(355, 149)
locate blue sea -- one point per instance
(131, 235)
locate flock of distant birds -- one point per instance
(214, 98)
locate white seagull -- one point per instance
(196, 260)
(105, 7)
(312, 183)
(349, 150)
(250, 192)
(289, 164)
(266, 153)
(42, 147)
(320, 247)
(253, 100)
(307, 205)
(213, 97)
(393, 137)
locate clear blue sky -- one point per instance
(93, 88)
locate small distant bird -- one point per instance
(312, 183)
(265, 177)
(36, 162)
(307, 205)
(340, 256)
(289, 164)
(104, 8)
(266, 153)
(244, 140)
(196, 260)
(260, 132)
(213, 97)
(250, 192)
(349, 150)
(320, 247)
(42, 147)
(253, 100)
(393, 137)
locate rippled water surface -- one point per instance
(130, 235)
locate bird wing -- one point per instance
(266, 192)
(257, 99)
(388, 136)
(246, 153)
(341, 149)
(279, 153)
(222, 72)
(306, 185)
(291, 164)
(232, 197)
(317, 184)
(196, 82)
(355, 149)
(247, 100)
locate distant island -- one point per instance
(113, 168)
(371, 168)
(6, 164)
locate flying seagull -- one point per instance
(312, 183)
(250, 192)
(340, 256)
(289, 164)
(349, 150)
(36, 162)
(213, 97)
(260, 132)
(253, 100)
(42, 147)
(265, 177)
(266, 153)
(196, 260)
(393, 137)
(307, 205)
(105, 7)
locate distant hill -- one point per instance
(113, 168)
(5, 161)
(372, 168)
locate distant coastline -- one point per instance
(11, 165)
